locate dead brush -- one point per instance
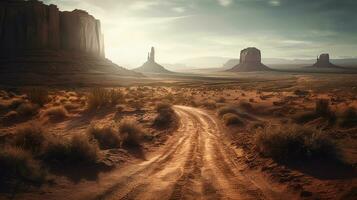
(30, 137)
(38, 95)
(56, 113)
(296, 143)
(18, 166)
(131, 133)
(77, 150)
(231, 119)
(101, 97)
(166, 115)
(106, 136)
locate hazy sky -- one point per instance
(181, 29)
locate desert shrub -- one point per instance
(10, 117)
(38, 95)
(98, 97)
(231, 119)
(301, 93)
(322, 107)
(82, 150)
(15, 103)
(209, 104)
(226, 109)
(27, 109)
(163, 107)
(30, 137)
(295, 143)
(78, 150)
(246, 106)
(18, 164)
(106, 136)
(348, 118)
(115, 97)
(166, 115)
(221, 100)
(56, 149)
(56, 113)
(131, 133)
(71, 106)
(305, 117)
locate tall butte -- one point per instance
(250, 60)
(323, 61)
(35, 37)
(150, 66)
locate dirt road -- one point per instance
(195, 163)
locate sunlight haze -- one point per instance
(183, 29)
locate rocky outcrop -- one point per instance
(323, 61)
(26, 26)
(39, 39)
(150, 66)
(250, 60)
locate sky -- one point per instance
(182, 29)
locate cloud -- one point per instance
(274, 3)
(179, 9)
(225, 3)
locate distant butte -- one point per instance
(250, 60)
(150, 66)
(323, 61)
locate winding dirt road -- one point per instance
(195, 163)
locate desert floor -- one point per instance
(206, 144)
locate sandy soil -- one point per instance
(195, 163)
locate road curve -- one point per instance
(195, 163)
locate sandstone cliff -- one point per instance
(31, 25)
(39, 39)
(250, 60)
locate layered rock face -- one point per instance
(250, 60)
(39, 40)
(150, 66)
(27, 26)
(323, 61)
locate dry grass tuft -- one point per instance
(27, 109)
(56, 113)
(106, 136)
(166, 115)
(231, 119)
(131, 133)
(210, 104)
(30, 137)
(227, 109)
(77, 150)
(18, 165)
(348, 118)
(294, 143)
(101, 97)
(38, 95)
